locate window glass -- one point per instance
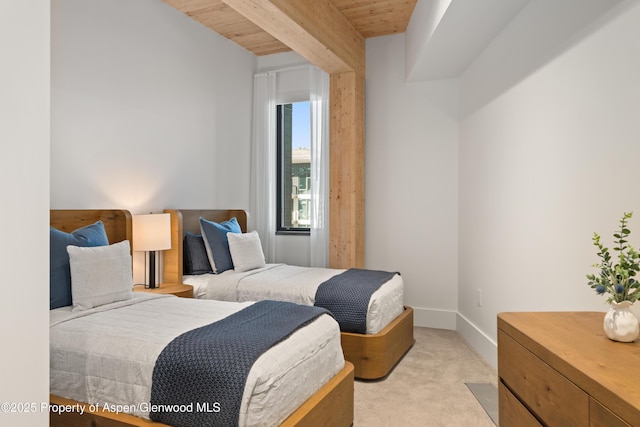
(294, 166)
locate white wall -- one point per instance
(24, 177)
(150, 109)
(548, 154)
(411, 182)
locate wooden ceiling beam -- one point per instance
(316, 30)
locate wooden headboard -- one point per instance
(184, 220)
(117, 222)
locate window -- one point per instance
(293, 136)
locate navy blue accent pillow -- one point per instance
(59, 270)
(216, 243)
(195, 256)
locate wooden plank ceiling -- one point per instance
(371, 18)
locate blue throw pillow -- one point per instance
(216, 243)
(59, 270)
(196, 260)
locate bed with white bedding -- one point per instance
(282, 282)
(106, 355)
(389, 324)
(104, 347)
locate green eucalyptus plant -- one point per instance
(617, 280)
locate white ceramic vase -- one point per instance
(620, 324)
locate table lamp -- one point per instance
(152, 233)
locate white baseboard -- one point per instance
(478, 340)
(452, 320)
(431, 318)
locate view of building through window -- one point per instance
(294, 166)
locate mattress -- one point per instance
(106, 355)
(282, 282)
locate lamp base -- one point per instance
(152, 270)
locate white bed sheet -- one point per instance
(107, 355)
(282, 282)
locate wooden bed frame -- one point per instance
(331, 405)
(373, 356)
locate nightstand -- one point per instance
(177, 289)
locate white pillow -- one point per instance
(246, 251)
(100, 275)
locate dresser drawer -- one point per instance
(547, 394)
(602, 417)
(513, 413)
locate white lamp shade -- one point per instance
(151, 232)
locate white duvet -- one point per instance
(107, 355)
(282, 282)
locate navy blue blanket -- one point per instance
(199, 377)
(347, 296)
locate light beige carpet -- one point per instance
(427, 388)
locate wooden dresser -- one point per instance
(560, 369)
